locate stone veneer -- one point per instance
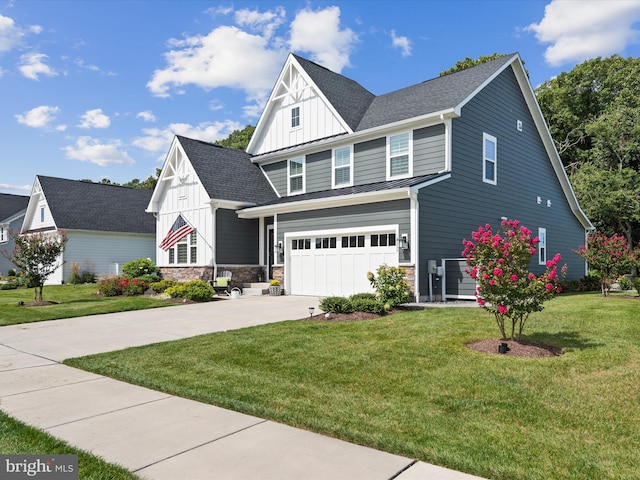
(240, 274)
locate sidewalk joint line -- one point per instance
(411, 464)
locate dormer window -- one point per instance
(296, 175)
(295, 117)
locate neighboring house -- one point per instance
(106, 225)
(356, 180)
(12, 209)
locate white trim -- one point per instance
(302, 175)
(414, 245)
(409, 155)
(485, 159)
(334, 167)
(431, 181)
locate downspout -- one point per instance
(214, 264)
(415, 253)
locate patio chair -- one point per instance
(222, 284)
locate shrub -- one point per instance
(110, 287)
(149, 278)
(162, 285)
(370, 305)
(139, 268)
(636, 284)
(9, 286)
(390, 285)
(196, 290)
(132, 287)
(78, 277)
(336, 305)
(11, 272)
(365, 296)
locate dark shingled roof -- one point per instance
(12, 204)
(77, 205)
(227, 173)
(356, 189)
(349, 98)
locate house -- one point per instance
(106, 225)
(12, 209)
(337, 181)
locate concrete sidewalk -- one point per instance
(160, 436)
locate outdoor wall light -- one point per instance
(311, 309)
(280, 248)
(404, 241)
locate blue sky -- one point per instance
(97, 89)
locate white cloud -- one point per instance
(581, 29)
(37, 29)
(21, 188)
(32, 65)
(147, 116)
(265, 23)
(403, 43)
(10, 34)
(88, 149)
(39, 117)
(318, 33)
(157, 140)
(95, 119)
(226, 57)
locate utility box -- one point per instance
(432, 266)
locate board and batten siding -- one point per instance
(450, 210)
(104, 253)
(236, 239)
(367, 216)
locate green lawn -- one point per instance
(73, 301)
(407, 384)
(18, 438)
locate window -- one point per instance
(186, 250)
(3, 234)
(301, 244)
(399, 163)
(542, 246)
(41, 214)
(296, 175)
(490, 159)
(353, 241)
(342, 167)
(383, 240)
(326, 242)
(295, 117)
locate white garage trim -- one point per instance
(321, 264)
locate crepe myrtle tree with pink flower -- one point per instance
(499, 263)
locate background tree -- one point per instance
(37, 256)
(470, 62)
(238, 139)
(593, 112)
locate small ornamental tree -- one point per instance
(499, 264)
(37, 256)
(608, 257)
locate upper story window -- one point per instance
(296, 175)
(295, 117)
(3, 234)
(399, 157)
(342, 166)
(41, 214)
(490, 159)
(542, 246)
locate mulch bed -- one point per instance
(520, 348)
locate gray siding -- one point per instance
(277, 174)
(396, 212)
(236, 239)
(318, 171)
(370, 160)
(8, 246)
(428, 150)
(452, 209)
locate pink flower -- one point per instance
(502, 309)
(497, 272)
(549, 287)
(481, 301)
(531, 276)
(492, 282)
(514, 278)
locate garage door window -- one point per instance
(383, 240)
(301, 244)
(325, 242)
(353, 241)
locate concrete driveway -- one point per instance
(160, 436)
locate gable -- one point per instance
(317, 116)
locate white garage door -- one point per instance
(338, 264)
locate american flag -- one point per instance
(177, 232)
